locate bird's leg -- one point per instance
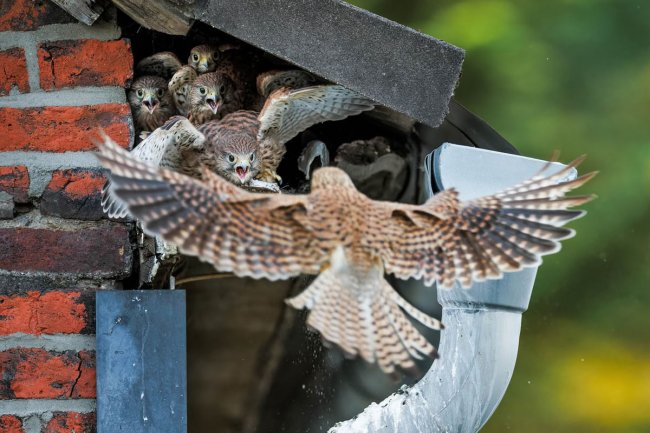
(269, 176)
(268, 186)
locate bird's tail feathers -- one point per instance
(364, 317)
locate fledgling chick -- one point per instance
(180, 86)
(212, 96)
(203, 58)
(231, 147)
(162, 64)
(269, 81)
(150, 101)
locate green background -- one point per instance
(570, 75)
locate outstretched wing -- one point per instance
(286, 112)
(167, 146)
(254, 235)
(445, 240)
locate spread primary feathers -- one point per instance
(176, 145)
(349, 241)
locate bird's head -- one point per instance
(147, 93)
(210, 91)
(203, 58)
(236, 157)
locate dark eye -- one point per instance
(222, 88)
(231, 158)
(202, 90)
(195, 57)
(160, 93)
(215, 55)
(140, 93)
(252, 158)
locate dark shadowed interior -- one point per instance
(252, 364)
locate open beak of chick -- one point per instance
(150, 103)
(214, 102)
(242, 170)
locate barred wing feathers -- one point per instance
(445, 240)
(237, 231)
(287, 113)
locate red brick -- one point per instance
(42, 313)
(21, 15)
(37, 373)
(71, 422)
(96, 252)
(61, 129)
(14, 71)
(85, 63)
(74, 193)
(15, 181)
(11, 424)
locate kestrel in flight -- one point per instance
(349, 241)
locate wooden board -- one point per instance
(159, 15)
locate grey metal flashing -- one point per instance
(395, 65)
(141, 365)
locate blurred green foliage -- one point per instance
(571, 75)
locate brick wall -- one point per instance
(59, 81)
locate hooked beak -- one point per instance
(203, 65)
(213, 102)
(150, 103)
(242, 169)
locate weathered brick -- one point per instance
(7, 206)
(21, 15)
(14, 71)
(71, 422)
(11, 424)
(39, 313)
(85, 63)
(74, 193)
(95, 252)
(15, 181)
(61, 129)
(37, 373)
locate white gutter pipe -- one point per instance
(478, 347)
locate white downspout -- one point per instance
(478, 347)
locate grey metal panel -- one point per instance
(396, 66)
(141, 361)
